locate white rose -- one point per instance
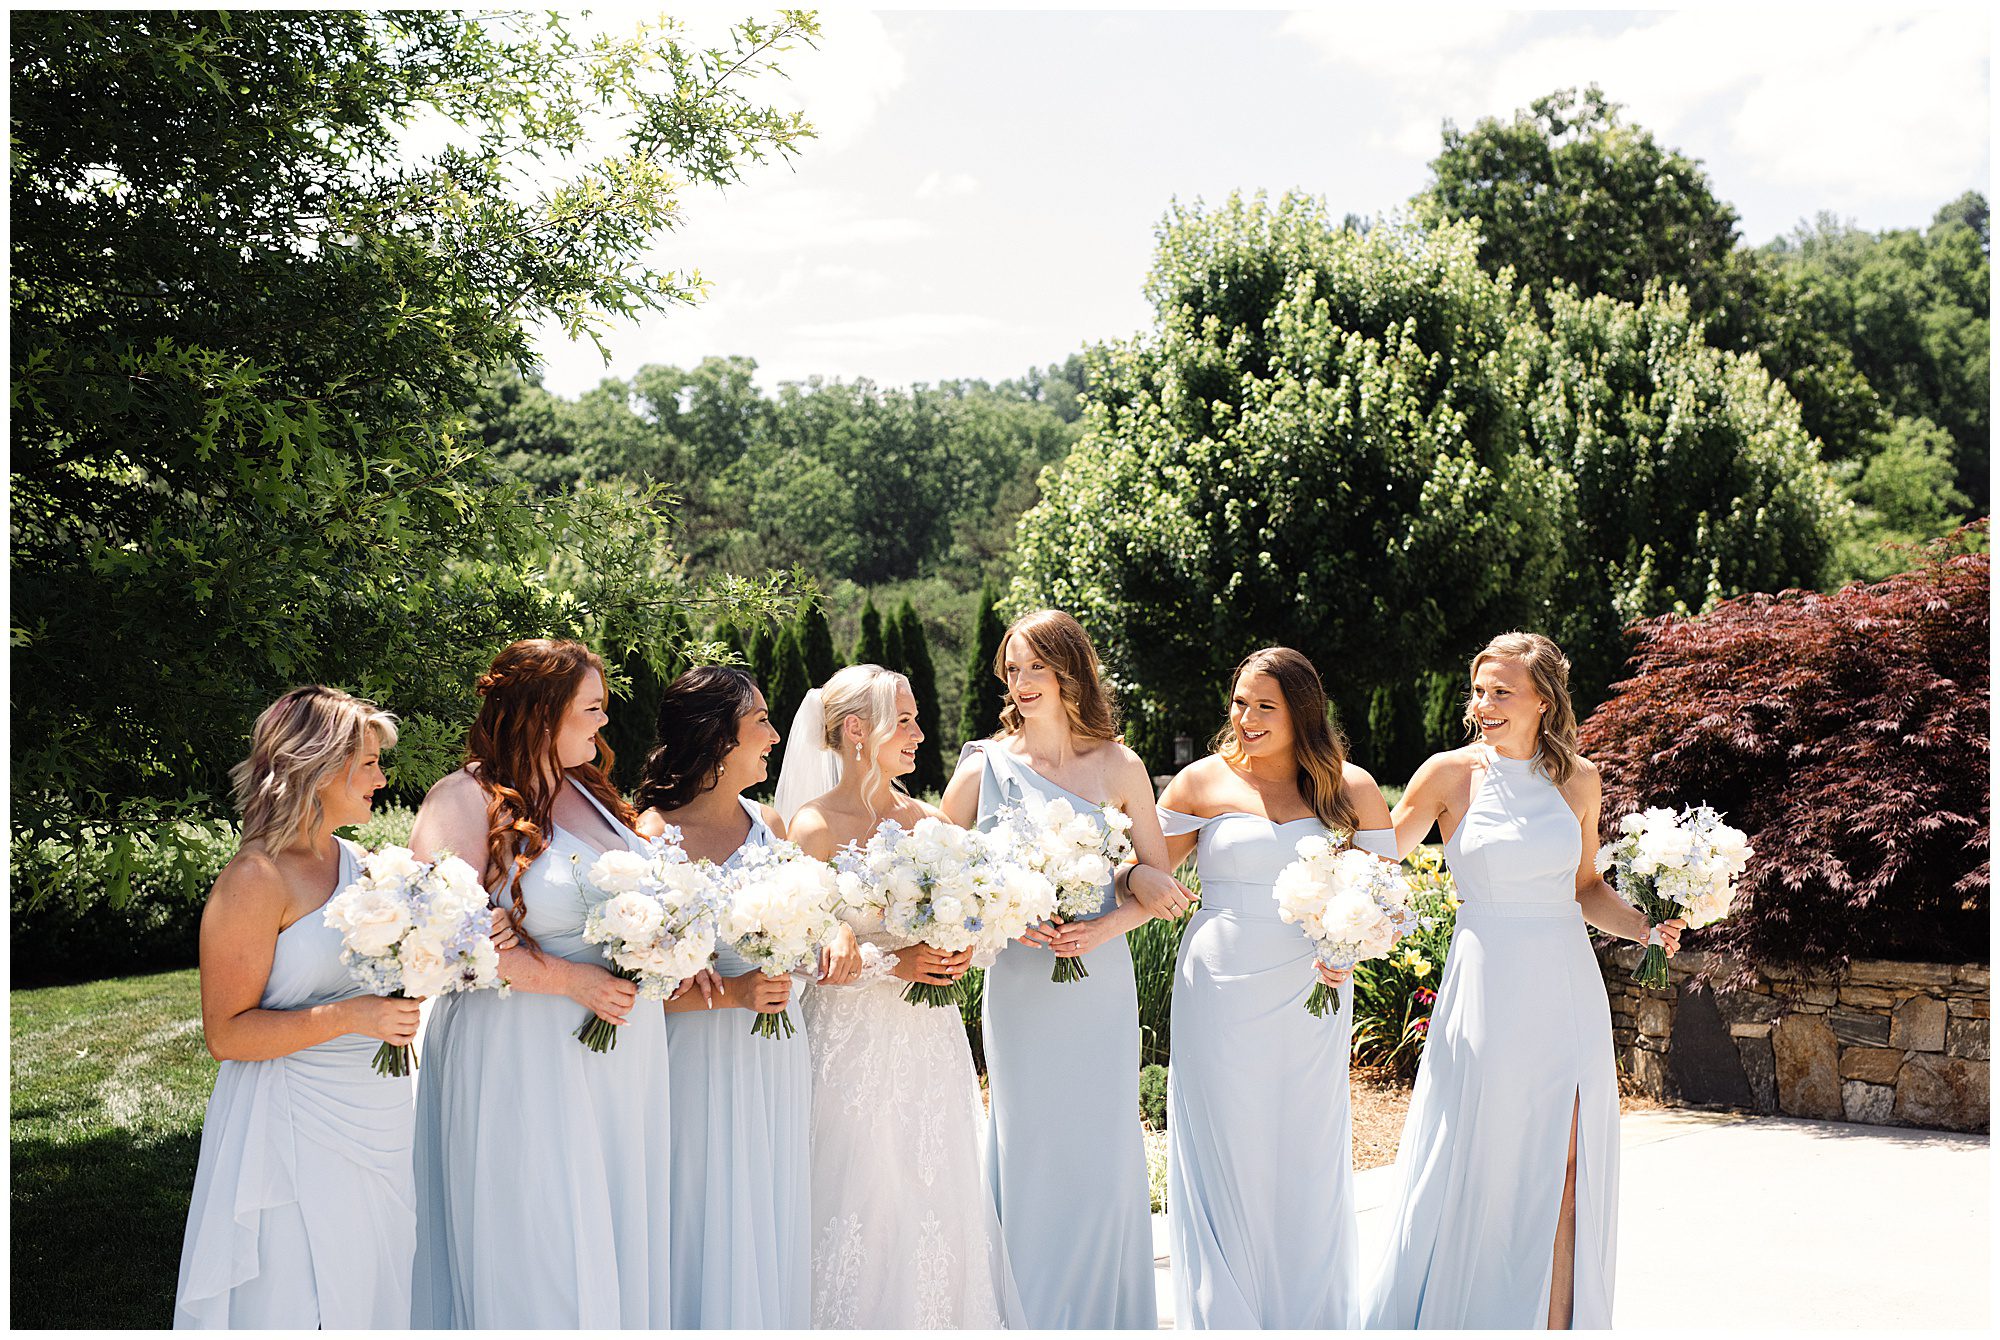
(632, 917)
(370, 921)
(619, 871)
(426, 970)
(393, 865)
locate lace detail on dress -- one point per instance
(907, 1235)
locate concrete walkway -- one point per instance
(1728, 1222)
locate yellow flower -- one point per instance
(1422, 966)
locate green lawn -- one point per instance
(109, 1082)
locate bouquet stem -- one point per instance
(598, 1034)
(931, 993)
(772, 1025)
(1652, 969)
(393, 1060)
(1069, 970)
(1322, 999)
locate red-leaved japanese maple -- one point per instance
(1846, 733)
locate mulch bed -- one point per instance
(1379, 1100)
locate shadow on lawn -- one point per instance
(97, 1226)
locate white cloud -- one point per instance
(841, 343)
(940, 184)
(1830, 100)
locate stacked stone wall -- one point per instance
(1890, 1044)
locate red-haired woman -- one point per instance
(542, 1177)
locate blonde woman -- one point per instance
(304, 1212)
(1506, 1210)
(903, 1236)
(1065, 1160)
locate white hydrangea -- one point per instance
(654, 912)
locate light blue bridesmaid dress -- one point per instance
(303, 1214)
(740, 1131)
(1065, 1160)
(1520, 1035)
(542, 1168)
(1260, 1170)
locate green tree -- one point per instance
(785, 692)
(916, 648)
(894, 654)
(1566, 192)
(763, 654)
(1905, 493)
(245, 326)
(984, 694)
(869, 648)
(730, 640)
(1694, 479)
(1322, 436)
(815, 636)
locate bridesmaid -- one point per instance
(1507, 1203)
(1065, 1160)
(738, 1121)
(303, 1214)
(1260, 1182)
(542, 1177)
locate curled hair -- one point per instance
(1548, 668)
(1318, 743)
(526, 691)
(694, 730)
(1061, 642)
(868, 692)
(299, 743)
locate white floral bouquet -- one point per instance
(1672, 865)
(1076, 851)
(948, 887)
(655, 913)
(411, 929)
(1352, 905)
(778, 906)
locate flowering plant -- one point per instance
(778, 906)
(655, 913)
(1076, 851)
(948, 887)
(411, 928)
(1670, 865)
(1352, 905)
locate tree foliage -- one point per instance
(245, 327)
(1693, 478)
(1846, 733)
(984, 694)
(1321, 444)
(917, 664)
(870, 648)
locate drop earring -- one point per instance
(857, 753)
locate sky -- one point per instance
(983, 192)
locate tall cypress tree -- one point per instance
(763, 655)
(893, 654)
(815, 637)
(784, 693)
(985, 695)
(869, 650)
(929, 775)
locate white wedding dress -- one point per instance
(904, 1235)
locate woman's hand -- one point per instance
(502, 930)
(1043, 934)
(1159, 893)
(1670, 935)
(840, 962)
(1333, 976)
(757, 993)
(922, 963)
(389, 1018)
(1077, 938)
(603, 992)
(707, 981)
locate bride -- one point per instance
(903, 1233)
